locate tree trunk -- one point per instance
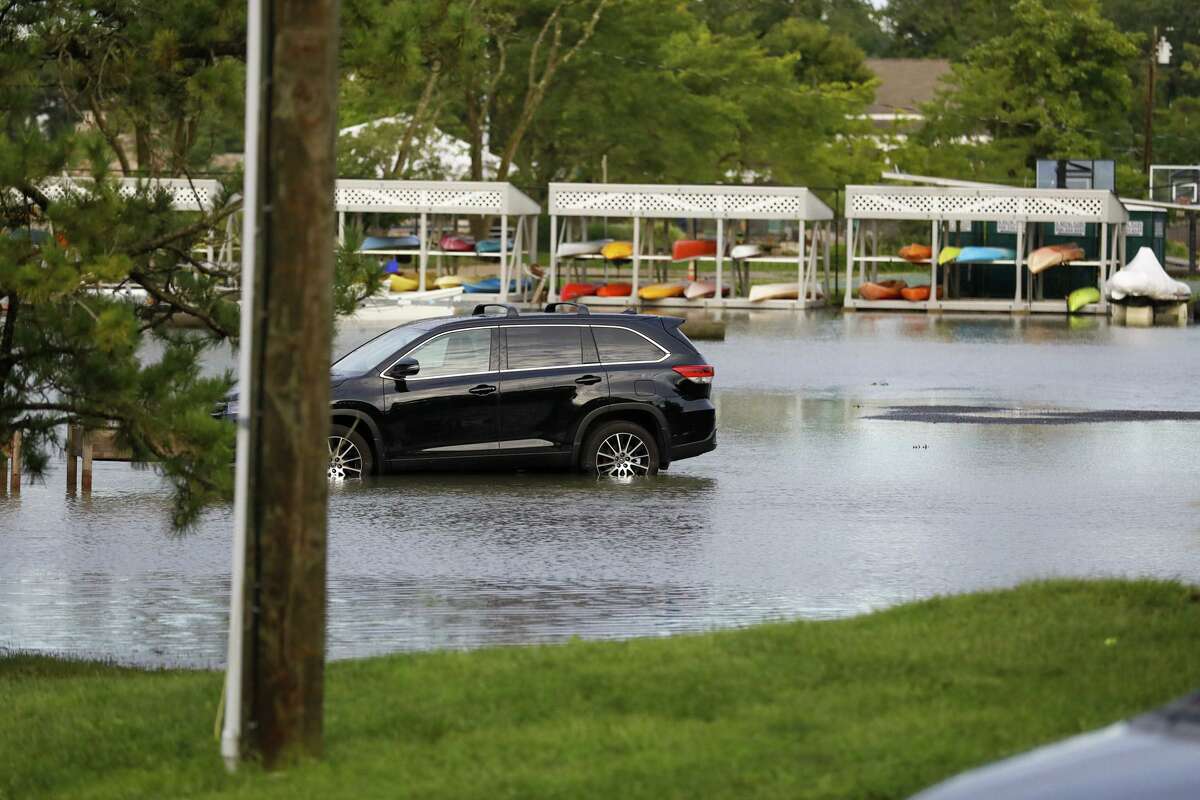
(290, 423)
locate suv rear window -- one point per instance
(618, 345)
(532, 346)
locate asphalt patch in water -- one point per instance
(994, 415)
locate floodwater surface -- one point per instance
(860, 464)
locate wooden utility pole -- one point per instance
(1148, 133)
(286, 398)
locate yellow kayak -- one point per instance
(448, 282)
(657, 291)
(399, 283)
(948, 254)
(617, 251)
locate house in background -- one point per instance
(905, 84)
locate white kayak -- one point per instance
(779, 291)
(745, 251)
(572, 249)
(1145, 277)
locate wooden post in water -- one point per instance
(88, 452)
(72, 458)
(14, 457)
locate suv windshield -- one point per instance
(367, 355)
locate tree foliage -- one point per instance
(1055, 85)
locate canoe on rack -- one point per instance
(573, 249)
(745, 251)
(492, 286)
(448, 282)
(685, 249)
(453, 243)
(918, 294)
(615, 290)
(491, 246)
(617, 251)
(402, 283)
(657, 291)
(573, 290)
(698, 289)
(1052, 255)
(884, 290)
(985, 255)
(780, 291)
(948, 254)
(390, 243)
(916, 253)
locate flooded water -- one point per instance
(860, 464)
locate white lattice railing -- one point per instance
(945, 203)
(692, 202)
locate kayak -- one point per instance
(492, 286)
(684, 249)
(453, 243)
(657, 291)
(916, 253)
(697, 289)
(617, 251)
(1052, 255)
(572, 249)
(1082, 297)
(390, 243)
(917, 294)
(491, 246)
(884, 290)
(984, 255)
(745, 251)
(775, 291)
(448, 282)
(947, 254)
(573, 290)
(400, 283)
(615, 290)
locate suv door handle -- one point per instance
(588, 379)
(482, 389)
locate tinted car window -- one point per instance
(617, 345)
(543, 346)
(367, 355)
(457, 353)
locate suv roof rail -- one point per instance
(630, 310)
(580, 308)
(509, 310)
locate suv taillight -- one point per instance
(698, 373)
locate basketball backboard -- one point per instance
(1175, 183)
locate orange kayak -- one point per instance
(884, 290)
(916, 253)
(1052, 255)
(573, 290)
(918, 294)
(693, 248)
(615, 290)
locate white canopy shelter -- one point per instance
(719, 203)
(947, 206)
(424, 199)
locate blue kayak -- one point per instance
(491, 246)
(492, 286)
(391, 243)
(984, 255)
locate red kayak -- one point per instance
(573, 290)
(615, 290)
(453, 243)
(693, 248)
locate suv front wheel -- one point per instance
(620, 449)
(349, 455)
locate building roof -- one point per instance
(905, 83)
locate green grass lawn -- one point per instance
(876, 706)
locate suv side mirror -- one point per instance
(403, 368)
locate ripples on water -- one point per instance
(810, 507)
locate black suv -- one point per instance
(620, 395)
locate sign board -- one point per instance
(1070, 228)
(1134, 227)
(1007, 226)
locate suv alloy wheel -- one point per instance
(349, 455)
(621, 450)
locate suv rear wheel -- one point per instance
(349, 455)
(620, 449)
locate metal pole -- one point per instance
(801, 271)
(847, 299)
(1148, 150)
(720, 265)
(231, 733)
(503, 257)
(552, 295)
(424, 253)
(637, 256)
(935, 248)
(1191, 241)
